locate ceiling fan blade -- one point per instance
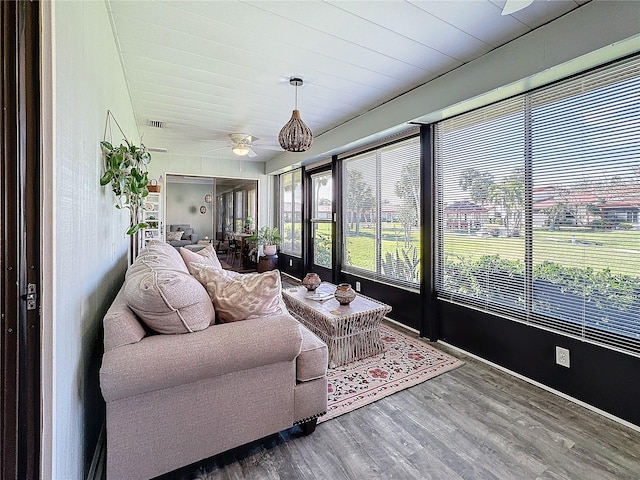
(513, 6)
(214, 149)
(251, 152)
(242, 138)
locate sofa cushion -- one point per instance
(205, 256)
(313, 358)
(242, 296)
(160, 290)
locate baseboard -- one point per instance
(97, 470)
(547, 388)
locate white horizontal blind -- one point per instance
(480, 190)
(291, 212)
(586, 182)
(381, 222)
(575, 267)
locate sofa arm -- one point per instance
(162, 361)
(194, 238)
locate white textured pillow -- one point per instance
(206, 256)
(242, 296)
(172, 236)
(161, 292)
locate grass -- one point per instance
(618, 250)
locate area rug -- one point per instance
(406, 362)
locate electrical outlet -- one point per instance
(291, 262)
(357, 286)
(562, 357)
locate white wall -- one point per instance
(84, 246)
(163, 163)
(183, 203)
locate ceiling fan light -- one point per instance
(240, 150)
(295, 136)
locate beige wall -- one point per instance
(84, 245)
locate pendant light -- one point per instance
(295, 136)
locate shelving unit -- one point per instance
(152, 216)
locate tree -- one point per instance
(477, 183)
(359, 198)
(509, 196)
(408, 190)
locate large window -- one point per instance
(291, 212)
(538, 199)
(381, 217)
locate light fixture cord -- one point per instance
(296, 96)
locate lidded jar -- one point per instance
(311, 281)
(344, 294)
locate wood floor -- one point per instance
(475, 422)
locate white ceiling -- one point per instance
(207, 69)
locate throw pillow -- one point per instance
(163, 294)
(171, 236)
(242, 296)
(205, 256)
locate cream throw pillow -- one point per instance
(159, 289)
(173, 236)
(242, 296)
(207, 256)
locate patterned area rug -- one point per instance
(406, 362)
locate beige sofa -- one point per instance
(173, 399)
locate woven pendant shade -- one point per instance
(295, 136)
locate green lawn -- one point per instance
(571, 247)
(578, 248)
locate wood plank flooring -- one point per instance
(475, 422)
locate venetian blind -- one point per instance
(381, 221)
(538, 201)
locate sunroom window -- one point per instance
(381, 214)
(538, 199)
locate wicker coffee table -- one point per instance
(351, 332)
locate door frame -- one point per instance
(20, 221)
(325, 273)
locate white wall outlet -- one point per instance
(357, 286)
(291, 262)
(562, 357)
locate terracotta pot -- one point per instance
(311, 281)
(344, 294)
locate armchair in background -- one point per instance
(188, 236)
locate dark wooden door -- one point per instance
(19, 226)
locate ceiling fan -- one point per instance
(241, 144)
(513, 6)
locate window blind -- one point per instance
(538, 201)
(290, 187)
(381, 221)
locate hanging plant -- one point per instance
(126, 171)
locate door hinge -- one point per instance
(31, 296)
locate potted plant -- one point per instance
(269, 238)
(126, 171)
